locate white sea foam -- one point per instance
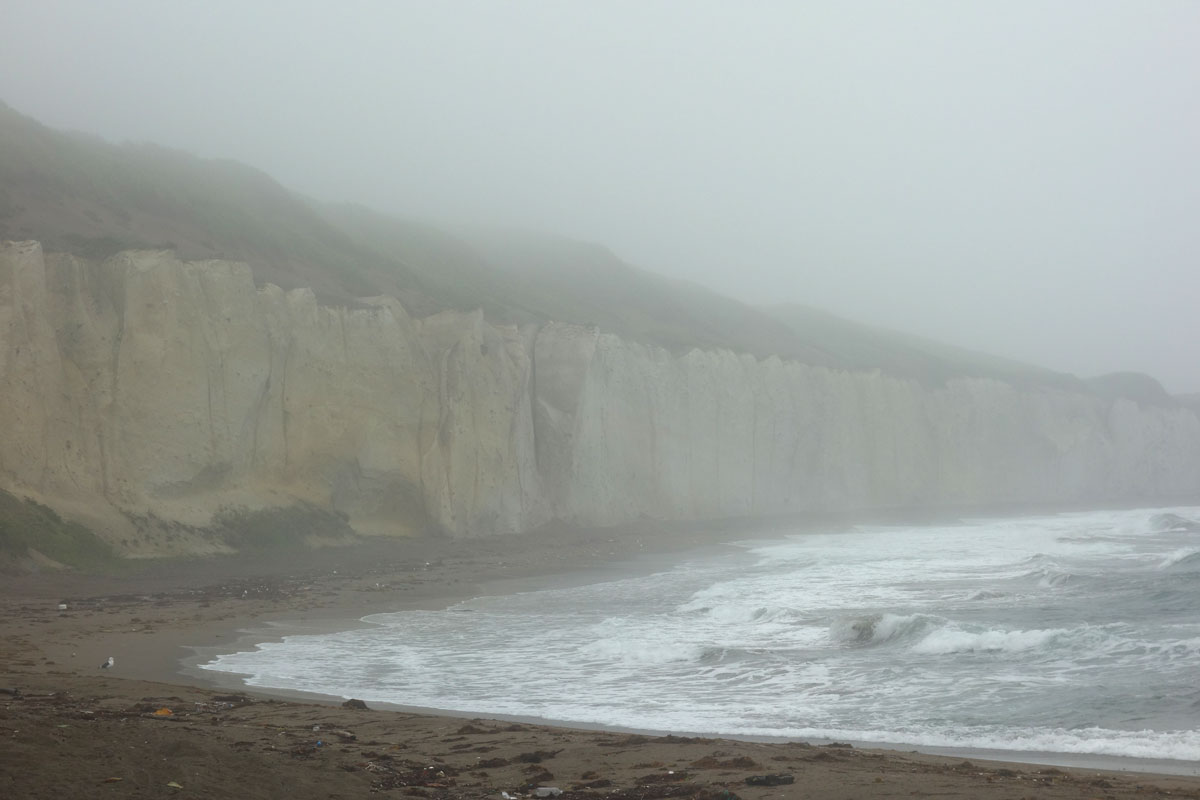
(1183, 745)
(641, 652)
(942, 642)
(740, 613)
(843, 635)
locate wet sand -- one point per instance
(75, 730)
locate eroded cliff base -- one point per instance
(34, 538)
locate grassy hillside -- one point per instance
(80, 194)
(1135, 386)
(861, 346)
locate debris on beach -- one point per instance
(774, 779)
(671, 776)
(712, 762)
(598, 783)
(409, 774)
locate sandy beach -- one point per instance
(153, 726)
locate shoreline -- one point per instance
(1029, 758)
(274, 630)
(166, 622)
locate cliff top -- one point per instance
(80, 194)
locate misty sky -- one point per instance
(1017, 177)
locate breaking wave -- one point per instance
(931, 635)
(875, 629)
(944, 642)
(1185, 560)
(1173, 523)
(985, 594)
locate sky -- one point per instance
(1019, 177)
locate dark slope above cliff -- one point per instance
(1135, 386)
(521, 277)
(861, 346)
(80, 194)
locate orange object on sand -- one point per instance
(163, 712)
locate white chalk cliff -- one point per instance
(146, 384)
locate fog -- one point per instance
(1017, 177)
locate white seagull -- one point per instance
(108, 663)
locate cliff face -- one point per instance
(147, 384)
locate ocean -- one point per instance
(1073, 633)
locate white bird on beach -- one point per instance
(108, 663)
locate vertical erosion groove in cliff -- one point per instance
(147, 383)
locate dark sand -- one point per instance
(75, 731)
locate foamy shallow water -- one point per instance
(1069, 633)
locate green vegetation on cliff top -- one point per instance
(80, 194)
